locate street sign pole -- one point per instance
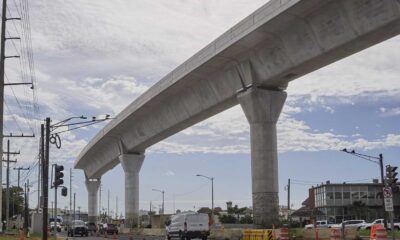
(388, 198)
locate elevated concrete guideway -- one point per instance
(278, 43)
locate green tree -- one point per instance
(227, 219)
(358, 209)
(16, 203)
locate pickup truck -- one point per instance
(319, 224)
(380, 221)
(357, 224)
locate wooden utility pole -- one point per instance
(19, 170)
(2, 58)
(8, 182)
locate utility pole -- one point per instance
(108, 203)
(2, 65)
(19, 169)
(45, 173)
(39, 175)
(100, 200)
(288, 201)
(26, 212)
(8, 182)
(74, 207)
(70, 189)
(116, 207)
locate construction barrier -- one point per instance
(284, 234)
(335, 234)
(257, 234)
(381, 234)
(374, 228)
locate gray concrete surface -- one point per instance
(131, 163)
(262, 109)
(92, 186)
(280, 42)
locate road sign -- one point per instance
(387, 192)
(388, 197)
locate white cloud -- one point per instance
(389, 112)
(169, 173)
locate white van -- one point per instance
(188, 225)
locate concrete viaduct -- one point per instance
(251, 64)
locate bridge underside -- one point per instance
(281, 41)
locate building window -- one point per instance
(363, 195)
(355, 195)
(346, 195)
(329, 195)
(371, 195)
(338, 195)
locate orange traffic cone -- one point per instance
(381, 234)
(21, 234)
(284, 233)
(335, 234)
(374, 229)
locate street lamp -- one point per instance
(378, 160)
(161, 191)
(212, 194)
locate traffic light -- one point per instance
(58, 175)
(64, 191)
(391, 175)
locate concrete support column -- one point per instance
(131, 163)
(262, 109)
(92, 186)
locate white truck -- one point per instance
(188, 225)
(380, 221)
(319, 224)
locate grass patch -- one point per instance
(13, 235)
(366, 233)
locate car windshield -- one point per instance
(111, 225)
(78, 223)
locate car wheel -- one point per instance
(204, 238)
(168, 237)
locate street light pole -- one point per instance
(161, 191)
(379, 161)
(212, 193)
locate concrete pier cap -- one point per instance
(131, 163)
(92, 186)
(262, 109)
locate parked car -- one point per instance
(357, 224)
(92, 227)
(380, 221)
(57, 225)
(108, 228)
(78, 227)
(319, 224)
(188, 225)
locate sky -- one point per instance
(95, 57)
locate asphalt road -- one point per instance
(119, 237)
